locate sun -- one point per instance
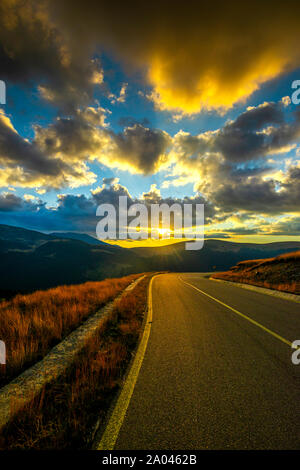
(163, 231)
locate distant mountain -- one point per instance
(32, 260)
(79, 236)
(216, 255)
(17, 238)
(22, 239)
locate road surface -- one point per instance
(212, 379)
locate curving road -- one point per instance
(211, 378)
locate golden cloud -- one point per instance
(196, 56)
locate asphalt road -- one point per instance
(211, 379)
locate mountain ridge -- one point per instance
(33, 260)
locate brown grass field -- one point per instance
(279, 273)
(32, 324)
(65, 414)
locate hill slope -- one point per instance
(32, 260)
(281, 272)
(216, 255)
(79, 236)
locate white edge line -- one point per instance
(111, 433)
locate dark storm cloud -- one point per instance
(255, 133)
(153, 196)
(111, 195)
(70, 213)
(143, 147)
(74, 138)
(58, 153)
(9, 202)
(33, 49)
(291, 227)
(261, 196)
(231, 162)
(219, 53)
(75, 205)
(110, 181)
(14, 150)
(26, 163)
(29, 48)
(256, 118)
(84, 137)
(77, 212)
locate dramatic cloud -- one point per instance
(72, 139)
(15, 150)
(257, 132)
(287, 226)
(32, 48)
(10, 202)
(257, 195)
(78, 212)
(110, 181)
(58, 154)
(143, 148)
(185, 58)
(111, 195)
(24, 163)
(232, 167)
(225, 165)
(83, 136)
(196, 56)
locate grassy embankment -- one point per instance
(280, 273)
(32, 324)
(65, 413)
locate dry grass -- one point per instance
(32, 324)
(279, 273)
(65, 414)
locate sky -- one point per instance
(161, 102)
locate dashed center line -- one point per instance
(283, 340)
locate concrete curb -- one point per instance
(20, 391)
(107, 439)
(262, 290)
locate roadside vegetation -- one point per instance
(32, 324)
(279, 273)
(66, 413)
